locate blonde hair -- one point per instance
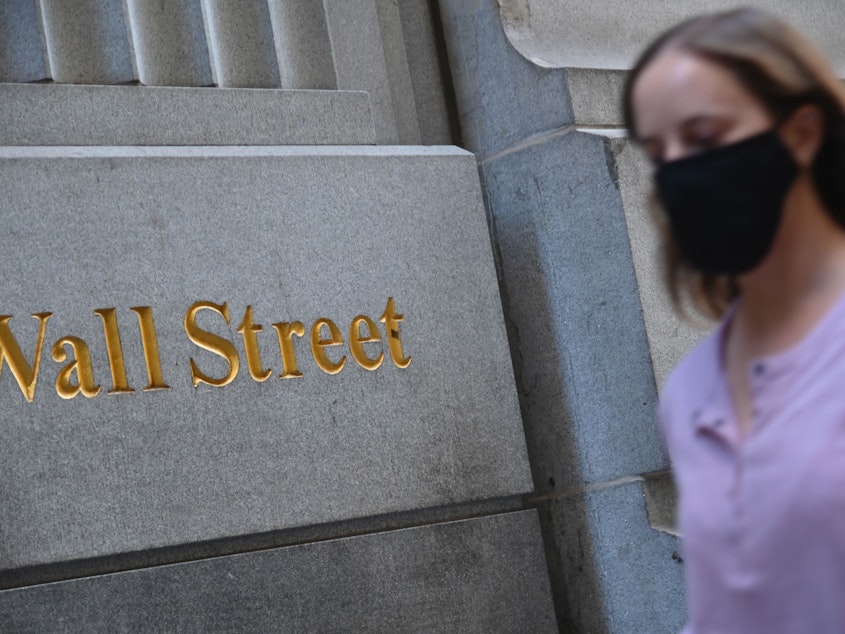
(784, 71)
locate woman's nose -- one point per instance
(673, 149)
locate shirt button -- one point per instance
(719, 422)
(759, 369)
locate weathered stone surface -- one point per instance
(297, 234)
(418, 30)
(620, 576)
(571, 296)
(482, 575)
(661, 497)
(502, 97)
(87, 41)
(145, 115)
(369, 55)
(670, 337)
(240, 38)
(169, 42)
(302, 44)
(596, 96)
(21, 55)
(611, 34)
(574, 317)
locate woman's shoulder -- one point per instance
(691, 383)
(698, 365)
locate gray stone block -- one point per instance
(617, 575)
(298, 234)
(240, 38)
(596, 95)
(661, 501)
(480, 575)
(144, 115)
(21, 53)
(612, 34)
(502, 97)
(302, 44)
(581, 351)
(366, 57)
(87, 41)
(398, 72)
(169, 42)
(670, 335)
(418, 29)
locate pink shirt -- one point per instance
(763, 519)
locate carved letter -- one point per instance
(318, 344)
(211, 342)
(150, 341)
(356, 341)
(253, 355)
(25, 374)
(115, 351)
(391, 322)
(286, 332)
(65, 387)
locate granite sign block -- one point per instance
(208, 342)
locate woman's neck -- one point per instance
(801, 278)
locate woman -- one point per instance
(744, 122)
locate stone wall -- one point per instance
(308, 370)
(342, 45)
(591, 328)
(256, 369)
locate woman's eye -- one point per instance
(704, 136)
(707, 142)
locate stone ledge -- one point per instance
(480, 575)
(56, 114)
(612, 34)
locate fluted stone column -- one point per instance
(21, 53)
(169, 42)
(87, 41)
(302, 44)
(240, 37)
(367, 60)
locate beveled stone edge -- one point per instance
(242, 544)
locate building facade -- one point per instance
(333, 315)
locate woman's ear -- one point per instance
(803, 133)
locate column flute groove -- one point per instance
(169, 41)
(87, 41)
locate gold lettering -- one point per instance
(253, 355)
(25, 374)
(318, 344)
(391, 320)
(211, 342)
(115, 351)
(149, 339)
(356, 341)
(286, 332)
(65, 387)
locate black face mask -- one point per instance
(725, 205)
